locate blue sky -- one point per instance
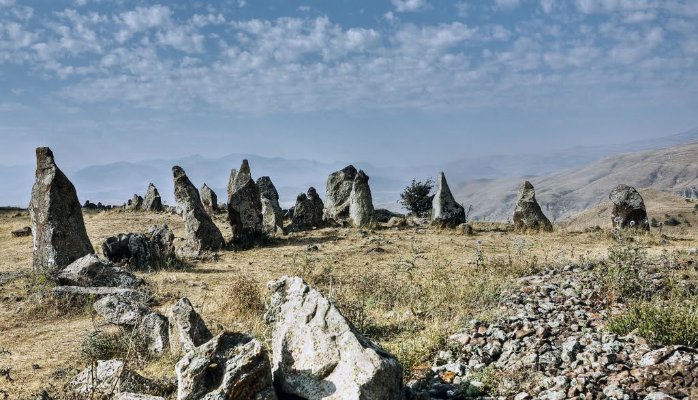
(383, 81)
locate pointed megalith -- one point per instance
(59, 231)
(528, 214)
(445, 210)
(231, 182)
(628, 208)
(272, 216)
(360, 201)
(200, 233)
(209, 199)
(308, 210)
(152, 200)
(136, 203)
(245, 207)
(338, 191)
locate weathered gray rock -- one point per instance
(360, 201)
(528, 215)
(154, 331)
(307, 212)
(92, 271)
(209, 199)
(136, 203)
(200, 233)
(628, 208)
(245, 207)
(152, 200)
(144, 252)
(135, 396)
(187, 329)
(272, 215)
(337, 194)
(317, 354)
(26, 231)
(98, 292)
(445, 209)
(108, 378)
(382, 215)
(231, 366)
(57, 224)
(231, 182)
(397, 222)
(120, 310)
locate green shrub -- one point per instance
(416, 197)
(662, 324)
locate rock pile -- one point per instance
(59, 231)
(200, 233)
(528, 215)
(628, 208)
(245, 207)
(272, 215)
(144, 252)
(553, 345)
(152, 200)
(209, 199)
(446, 212)
(307, 213)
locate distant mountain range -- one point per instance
(487, 182)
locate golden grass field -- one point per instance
(408, 289)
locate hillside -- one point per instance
(563, 194)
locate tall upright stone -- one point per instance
(628, 208)
(136, 203)
(59, 230)
(231, 182)
(445, 209)
(200, 233)
(528, 215)
(360, 201)
(338, 191)
(152, 200)
(245, 207)
(209, 199)
(272, 215)
(307, 212)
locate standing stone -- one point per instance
(445, 210)
(528, 214)
(187, 329)
(360, 201)
(136, 203)
(308, 210)
(231, 366)
(154, 331)
(245, 207)
(337, 194)
(231, 182)
(628, 208)
(272, 215)
(209, 199)
(317, 354)
(152, 201)
(59, 231)
(200, 233)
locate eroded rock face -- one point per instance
(144, 252)
(200, 233)
(187, 329)
(317, 354)
(231, 366)
(360, 201)
(338, 192)
(245, 207)
(136, 203)
(307, 212)
(628, 208)
(528, 214)
(120, 310)
(272, 215)
(445, 209)
(57, 224)
(90, 271)
(231, 182)
(152, 200)
(209, 199)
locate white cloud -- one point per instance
(409, 5)
(143, 18)
(636, 17)
(507, 5)
(547, 5)
(7, 3)
(462, 8)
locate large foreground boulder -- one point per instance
(152, 200)
(360, 201)
(231, 366)
(528, 215)
(144, 252)
(187, 328)
(338, 192)
(445, 209)
(245, 207)
(209, 199)
(200, 233)
(272, 215)
(317, 353)
(628, 208)
(91, 271)
(307, 212)
(59, 231)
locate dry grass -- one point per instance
(407, 289)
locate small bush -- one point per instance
(416, 197)
(624, 273)
(672, 221)
(105, 345)
(662, 324)
(244, 296)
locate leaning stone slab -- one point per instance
(154, 330)
(317, 353)
(231, 366)
(92, 271)
(187, 328)
(59, 230)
